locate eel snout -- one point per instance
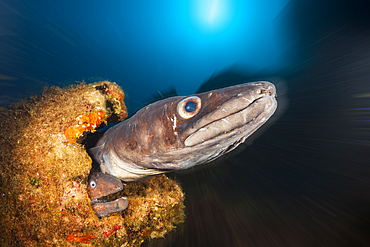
(101, 185)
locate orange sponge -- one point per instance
(85, 123)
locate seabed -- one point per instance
(44, 169)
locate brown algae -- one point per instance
(43, 175)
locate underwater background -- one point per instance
(305, 180)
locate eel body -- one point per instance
(177, 133)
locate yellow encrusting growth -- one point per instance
(43, 175)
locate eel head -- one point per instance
(101, 185)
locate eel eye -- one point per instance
(92, 184)
(189, 107)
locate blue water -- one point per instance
(305, 180)
(144, 46)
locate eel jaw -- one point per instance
(101, 185)
(102, 209)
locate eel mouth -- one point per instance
(100, 186)
(103, 208)
(244, 113)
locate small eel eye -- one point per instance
(92, 184)
(189, 107)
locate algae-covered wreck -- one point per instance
(44, 171)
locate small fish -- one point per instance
(177, 133)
